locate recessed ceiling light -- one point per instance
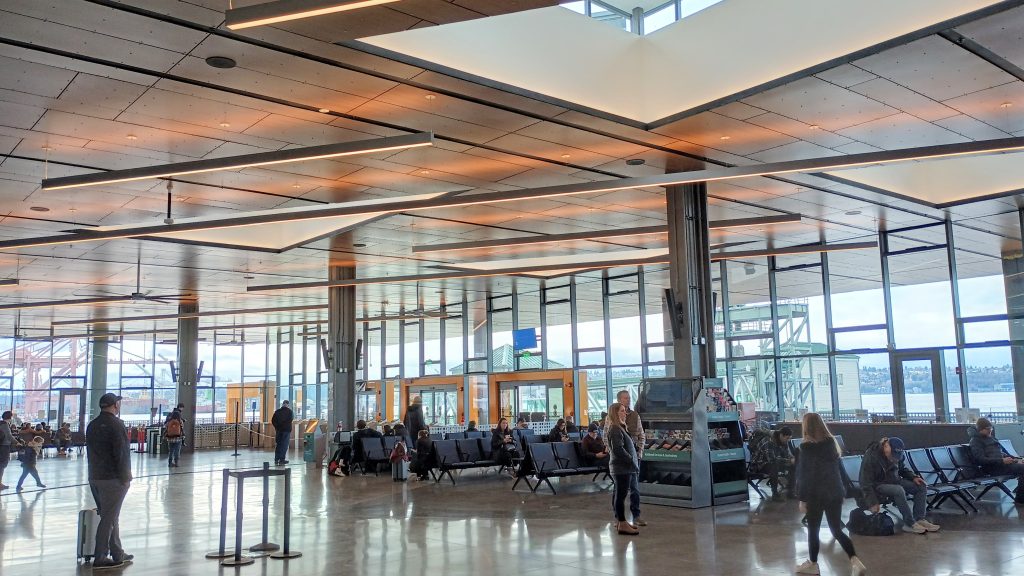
(132, 137)
(225, 125)
(1006, 104)
(424, 171)
(431, 96)
(814, 126)
(295, 186)
(359, 245)
(222, 62)
(566, 155)
(853, 213)
(39, 209)
(47, 147)
(325, 110)
(179, 199)
(725, 137)
(636, 162)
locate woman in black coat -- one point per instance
(502, 444)
(558, 433)
(423, 448)
(822, 491)
(414, 421)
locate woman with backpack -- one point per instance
(173, 433)
(822, 491)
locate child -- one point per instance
(28, 462)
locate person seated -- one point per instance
(64, 439)
(399, 430)
(363, 431)
(421, 463)
(987, 453)
(388, 431)
(570, 425)
(774, 459)
(594, 450)
(521, 423)
(503, 446)
(472, 426)
(884, 477)
(558, 433)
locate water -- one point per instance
(986, 401)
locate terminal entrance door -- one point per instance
(71, 408)
(366, 404)
(918, 385)
(534, 401)
(440, 405)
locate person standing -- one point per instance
(635, 429)
(414, 420)
(625, 469)
(29, 454)
(282, 421)
(174, 432)
(7, 443)
(110, 476)
(821, 488)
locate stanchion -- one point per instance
(237, 559)
(287, 553)
(265, 545)
(237, 420)
(220, 552)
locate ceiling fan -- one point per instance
(21, 337)
(106, 297)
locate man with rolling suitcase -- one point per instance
(106, 442)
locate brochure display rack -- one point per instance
(693, 452)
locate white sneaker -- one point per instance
(858, 567)
(915, 529)
(808, 567)
(928, 525)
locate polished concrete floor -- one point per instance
(371, 525)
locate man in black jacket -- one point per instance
(883, 477)
(282, 421)
(414, 421)
(7, 443)
(110, 475)
(988, 454)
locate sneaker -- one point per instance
(283, 462)
(41, 486)
(915, 529)
(808, 567)
(858, 567)
(106, 563)
(928, 525)
(127, 558)
(638, 522)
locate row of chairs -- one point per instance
(546, 460)
(756, 477)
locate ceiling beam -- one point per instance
(805, 249)
(189, 315)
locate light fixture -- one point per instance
(749, 269)
(243, 161)
(132, 137)
(430, 97)
(46, 147)
(359, 245)
(814, 127)
(248, 277)
(804, 249)
(39, 208)
(189, 315)
(424, 172)
(1006, 105)
(725, 137)
(635, 162)
(566, 155)
(324, 110)
(853, 213)
(296, 186)
(285, 10)
(222, 62)
(9, 282)
(225, 125)
(811, 165)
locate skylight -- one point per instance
(653, 16)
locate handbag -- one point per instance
(864, 523)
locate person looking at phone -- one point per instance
(988, 454)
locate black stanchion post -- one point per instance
(238, 419)
(287, 553)
(220, 553)
(238, 559)
(265, 545)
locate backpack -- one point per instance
(173, 428)
(400, 453)
(864, 524)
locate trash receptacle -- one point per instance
(315, 443)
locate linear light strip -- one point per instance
(671, 179)
(285, 10)
(190, 315)
(244, 161)
(807, 249)
(597, 235)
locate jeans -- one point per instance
(109, 495)
(5, 459)
(899, 492)
(27, 471)
(833, 512)
(281, 449)
(626, 483)
(174, 451)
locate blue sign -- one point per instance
(525, 339)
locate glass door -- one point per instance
(366, 406)
(71, 408)
(918, 386)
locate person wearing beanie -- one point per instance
(987, 453)
(884, 477)
(594, 449)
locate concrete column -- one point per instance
(97, 370)
(1013, 280)
(690, 276)
(341, 334)
(188, 365)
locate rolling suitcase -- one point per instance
(87, 521)
(400, 470)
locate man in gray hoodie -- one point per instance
(988, 454)
(7, 442)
